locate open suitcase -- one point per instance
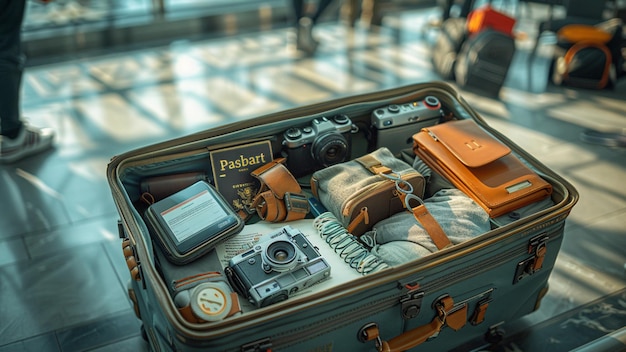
(433, 303)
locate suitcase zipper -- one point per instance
(502, 258)
(388, 302)
(338, 320)
(347, 207)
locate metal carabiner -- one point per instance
(410, 197)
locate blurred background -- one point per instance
(110, 76)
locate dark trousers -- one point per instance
(466, 8)
(298, 9)
(11, 65)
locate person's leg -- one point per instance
(351, 10)
(17, 138)
(466, 8)
(298, 10)
(447, 6)
(321, 7)
(304, 29)
(11, 66)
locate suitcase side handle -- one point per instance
(447, 313)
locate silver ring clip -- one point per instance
(408, 198)
(403, 186)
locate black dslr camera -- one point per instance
(326, 142)
(281, 264)
(395, 125)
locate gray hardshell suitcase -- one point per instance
(434, 303)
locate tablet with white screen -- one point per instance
(191, 222)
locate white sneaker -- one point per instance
(31, 140)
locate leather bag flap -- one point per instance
(470, 144)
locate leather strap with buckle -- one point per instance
(373, 165)
(430, 224)
(280, 197)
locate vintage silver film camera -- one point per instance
(395, 125)
(280, 264)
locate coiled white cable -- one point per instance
(347, 245)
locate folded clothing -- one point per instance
(434, 181)
(401, 238)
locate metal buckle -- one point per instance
(296, 202)
(411, 304)
(249, 209)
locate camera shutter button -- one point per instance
(393, 108)
(432, 102)
(293, 133)
(341, 119)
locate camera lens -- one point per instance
(280, 255)
(330, 149)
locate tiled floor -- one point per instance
(62, 274)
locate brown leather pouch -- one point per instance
(363, 191)
(480, 165)
(163, 186)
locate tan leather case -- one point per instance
(480, 165)
(358, 194)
